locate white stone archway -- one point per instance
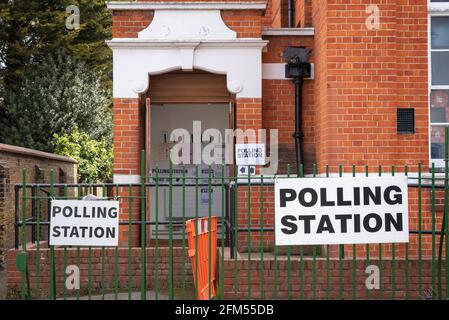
(187, 39)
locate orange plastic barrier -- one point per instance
(202, 235)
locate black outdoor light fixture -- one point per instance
(297, 68)
(297, 62)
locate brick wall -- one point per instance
(303, 13)
(181, 264)
(305, 290)
(247, 23)
(38, 166)
(363, 75)
(127, 24)
(273, 16)
(235, 274)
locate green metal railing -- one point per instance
(154, 265)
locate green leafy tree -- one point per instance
(94, 156)
(57, 96)
(30, 30)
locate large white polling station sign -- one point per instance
(312, 211)
(84, 223)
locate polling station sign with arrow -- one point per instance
(317, 211)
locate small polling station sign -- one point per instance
(318, 211)
(251, 154)
(84, 223)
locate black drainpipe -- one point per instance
(297, 68)
(291, 5)
(298, 135)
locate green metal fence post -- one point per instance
(23, 254)
(406, 255)
(289, 266)
(130, 240)
(249, 231)
(156, 218)
(116, 270)
(419, 229)
(446, 208)
(393, 257)
(209, 230)
(143, 290)
(328, 285)
(380, 257)
(341, 252)
(52, 248)
(235, 230)
(38, 239)
(78, 249)
(275, 273)
(223, 228)
(170, 231)
(262, 224)
(314, 249)
(65, 253)
(367, 245)
(301, 249)
(354, 257)
(183, 236)
(434, 289)
(196, 229)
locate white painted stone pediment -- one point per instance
(187, 25)
(187, 40)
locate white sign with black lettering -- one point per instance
(316, 211)
(84, 223)
(251, 154)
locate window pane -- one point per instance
(439, 1)
(439, 106)
(440, 32)
(440, 68)
(437, 140)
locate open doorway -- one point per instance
(176, 101)
(185, 205)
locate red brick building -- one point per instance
(377, 95)
(371, 60)
(363, 73)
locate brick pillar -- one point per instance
(128, 135)
(249, 116)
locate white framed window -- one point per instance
(439, 78)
